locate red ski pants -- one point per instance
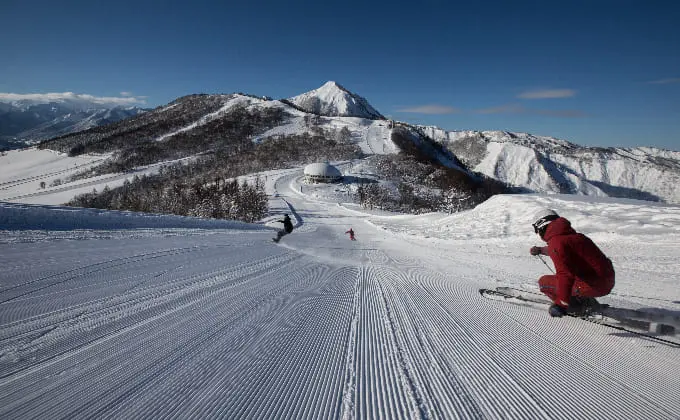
(590, 288)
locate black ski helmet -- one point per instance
(542, 219)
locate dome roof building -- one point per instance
(322, 172)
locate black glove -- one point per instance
(557, 311)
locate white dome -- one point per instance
(322, 169)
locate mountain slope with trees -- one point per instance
(420, 168)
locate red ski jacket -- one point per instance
(576, 257)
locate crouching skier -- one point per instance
(287, 228)
(351, 234)
(582, 271)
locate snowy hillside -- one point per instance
(333, 100)
(546, 164)
(41, 176)
(198, 124)
(123, 315)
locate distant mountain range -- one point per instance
(24, 123)
(546, 164)
(527, 162)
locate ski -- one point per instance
(663, 322)
(627, 320)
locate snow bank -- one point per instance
(31, 217)
(510, 215)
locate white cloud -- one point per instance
(665, 81)
(547, 94)
(520, 109)
(126, 93)
(430, 109)
(72, 97)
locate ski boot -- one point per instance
(582, 306)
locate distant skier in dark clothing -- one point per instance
(582, 271)
(287, 227)
(351, 234)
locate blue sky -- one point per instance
(598, 73)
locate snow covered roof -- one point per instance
(322, 169)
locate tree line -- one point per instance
(207, 186)
(219, 199)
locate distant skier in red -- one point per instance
(582, 271)
(351, 234)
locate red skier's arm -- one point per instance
(565, 279)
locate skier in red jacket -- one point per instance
(582, 271)
(351, 234)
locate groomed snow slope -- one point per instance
(210, 320)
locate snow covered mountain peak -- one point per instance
(27, 121)
(68, 100)
(333, 100)
(550, 165)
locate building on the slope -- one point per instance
(322, 173)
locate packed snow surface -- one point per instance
(109, 314)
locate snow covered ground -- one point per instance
(123, 315)
(24, 171)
